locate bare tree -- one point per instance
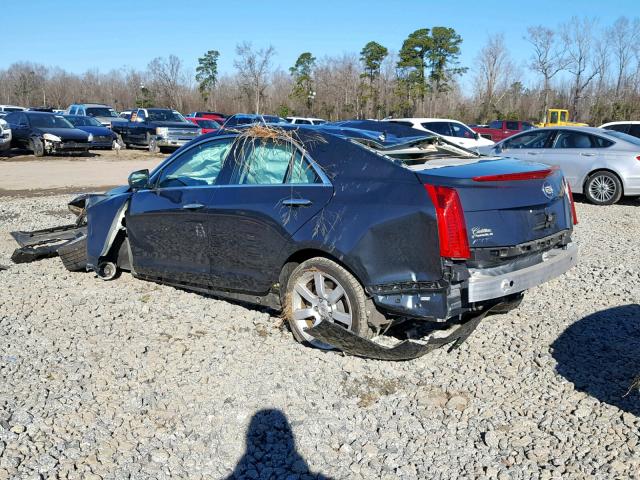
(577, 41)
(548, 58)
(253, 69)
(167, 79)
(624, 37)
(494, 71)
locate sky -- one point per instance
(80, 35)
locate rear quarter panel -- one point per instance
(380, 222)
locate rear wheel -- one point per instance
(37, 147)
(603, 188)
(320, 289)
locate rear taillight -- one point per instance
(452, 230)
(638, 157)
(504, 177)
(574, 215)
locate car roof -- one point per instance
(423, 119)
(620, 122)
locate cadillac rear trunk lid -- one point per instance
(505, 202)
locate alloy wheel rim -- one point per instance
(602, 188)
(318, 296)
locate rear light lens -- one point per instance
(452, 230)
(574, 215)
(638, 158)
(505, 177)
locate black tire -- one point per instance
(74, 254)
(37, 147)
(603, 188)
(152, 143)
(352, 301)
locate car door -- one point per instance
(169, 224)
(272, 189)
(576, 153)
(138, 128)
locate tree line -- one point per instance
(591, 69)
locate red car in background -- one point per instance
(206, 124)
(501, 129)
(218, 117)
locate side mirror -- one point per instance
(139, 179)
(476, 135)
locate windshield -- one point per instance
(83, 121)
(208, 124)
(623, 136)
(165, 116)
(101, 112)
(49, 121)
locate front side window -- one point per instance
(512, 125)
(49, 121)
(198, 166)
(528, 140)
(461, 131)
(554, 117)
(272, 162)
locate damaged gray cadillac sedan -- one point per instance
(349, 229)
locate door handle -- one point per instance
(193, 206)
(296, 202)
(588, 154)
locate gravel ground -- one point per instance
(128, 379)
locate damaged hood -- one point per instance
(66, 134)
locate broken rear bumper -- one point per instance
(490, 283)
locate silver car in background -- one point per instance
(602, 164)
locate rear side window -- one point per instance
(73, 110)
(303, 122)
(269, 162)
(529, 140)
(264, 162)
(496, 124)
(198, 166)
(301, 170)
(634, 130)
(512, 125)
(621, 127)
(441, 128)
(567, 139)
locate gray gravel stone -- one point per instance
(129, 379)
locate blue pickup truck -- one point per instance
(158, 129)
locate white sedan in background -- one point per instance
(453, 130)
(602, 164)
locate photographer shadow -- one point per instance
(271, 451)
(600, 355)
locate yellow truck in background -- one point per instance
(558, 117)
